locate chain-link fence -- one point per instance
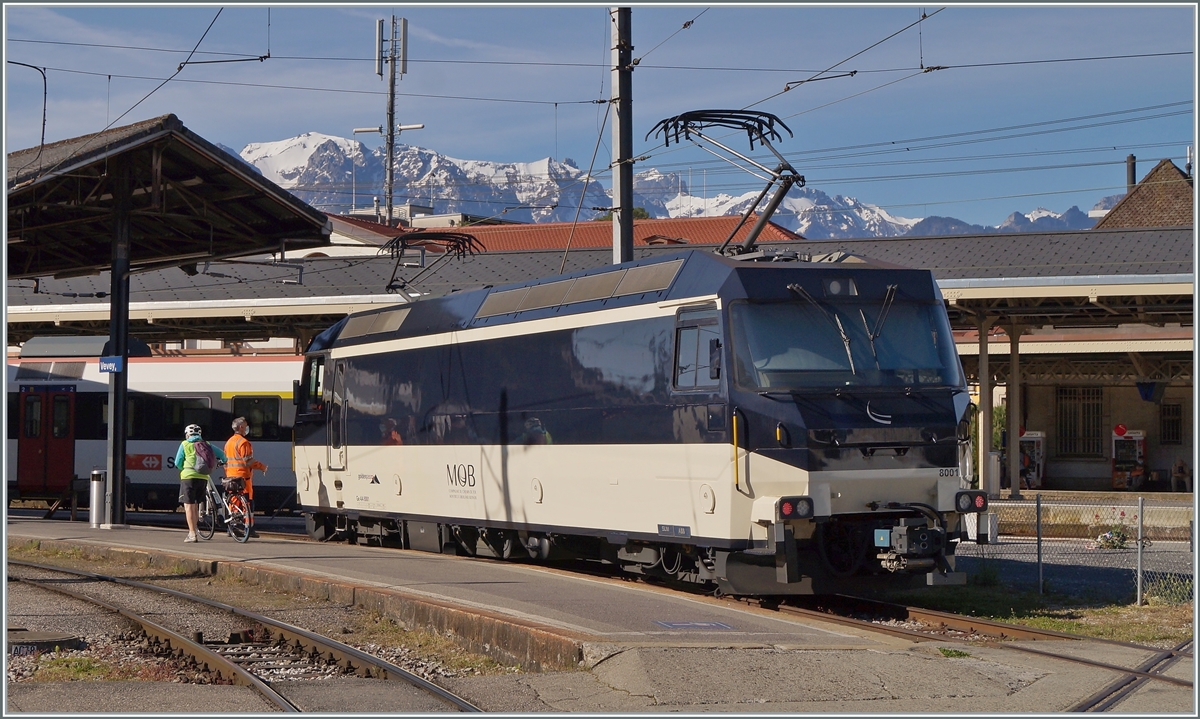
(1134, 549)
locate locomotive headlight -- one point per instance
(793, 508)
(972, 501)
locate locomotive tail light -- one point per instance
(971, 502)
(794, 508)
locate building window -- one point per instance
(1079, 421)
(1170, 424)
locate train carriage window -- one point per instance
(14, 412)
(60, 417)
(697, 350)
(179, 412)
(262, 413)
(33, 416)
(91, 415)
(133, 411)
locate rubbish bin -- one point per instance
(96, 499)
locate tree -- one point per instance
(639, 213)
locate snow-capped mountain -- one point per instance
(333, 173)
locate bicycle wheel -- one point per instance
(239, 518)
(208, 517)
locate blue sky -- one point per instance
(518, 83)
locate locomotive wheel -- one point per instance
(501, 541)
(842, 547)
(319, 527)
(467, 539)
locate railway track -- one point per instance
(930, 625)
(272, 649)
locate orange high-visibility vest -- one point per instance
(240, 461)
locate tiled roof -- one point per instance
(1034, 254)
(31, 162)
(586, 235)
(363, 230)
(1162, 199)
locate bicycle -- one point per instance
(231, 508)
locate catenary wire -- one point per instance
(527, 63)
(86, 144)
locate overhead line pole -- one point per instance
(622, 99)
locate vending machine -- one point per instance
(1128, 457)
(1033, 458)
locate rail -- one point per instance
(361, 662)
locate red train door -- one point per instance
(46, 440)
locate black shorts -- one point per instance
(192, 491)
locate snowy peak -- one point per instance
(335, 174)
(284, 161)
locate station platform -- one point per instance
(540, 617)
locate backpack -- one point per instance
(205, 459)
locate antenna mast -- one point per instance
(397, 53)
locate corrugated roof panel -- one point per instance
(501, 303)
(550, 294)
(594, 287)
(649, 278)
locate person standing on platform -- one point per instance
(196, 459)
(241, 462)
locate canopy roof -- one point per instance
(190, 201)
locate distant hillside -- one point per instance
(1040, 220)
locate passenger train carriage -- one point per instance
(760, 427)
(58, 422)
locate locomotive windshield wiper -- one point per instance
(831, 317)
(872, 334)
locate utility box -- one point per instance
(992, 477)
(983, 527)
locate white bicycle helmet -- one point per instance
(192, 430)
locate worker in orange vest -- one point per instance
(240, 461)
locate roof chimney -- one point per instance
(1187, 169)
(1130, 173)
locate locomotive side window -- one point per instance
(697, 351)
(312, 387)
(262, 413)
(335, 406)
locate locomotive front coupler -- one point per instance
(913, 543)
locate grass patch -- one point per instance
(52, 667)
(375, 628)
(1155, 624)
(953, 653)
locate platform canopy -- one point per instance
(190, 201)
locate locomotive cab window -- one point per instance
(853, 341)
(697, 350)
